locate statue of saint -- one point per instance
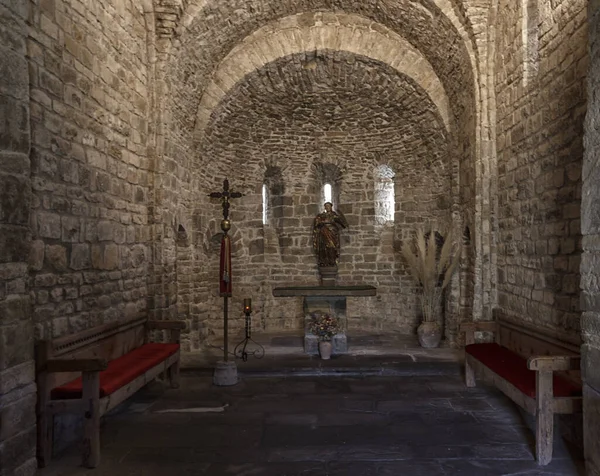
(326, 235)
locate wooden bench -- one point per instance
(533, 367)
(93, 371)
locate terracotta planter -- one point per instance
(429, 334)
(325, 348)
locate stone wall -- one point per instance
(17, 387)
(90, 170)
(120, 223)
(541, 66)
(590, 263)
(329, 117)
(195, 159)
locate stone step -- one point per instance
(342, 366)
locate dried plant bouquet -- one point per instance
(431, 267)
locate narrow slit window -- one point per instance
(385, 195)
(530, 32)
(264, 203)
(327, 192)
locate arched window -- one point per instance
(385, 195)
(273, 191)
(328, 192)
(328, 180)
(265, 203)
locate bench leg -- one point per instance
(544, 418)
(469, 374)
(45, 433)
(174, 375)
(91, 438)
(45, 422)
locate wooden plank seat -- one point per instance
(121, 371)
(512, 367)
(535, 368)
(93, 371)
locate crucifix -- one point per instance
(225, 287)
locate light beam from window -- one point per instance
(264, 202)
(385, 194)
(327, 191)
(391, 202)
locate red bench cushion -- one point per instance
(512, 367)
(121, 371)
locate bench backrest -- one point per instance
(526, 340)
(107, 341)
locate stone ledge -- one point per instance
(347, 291)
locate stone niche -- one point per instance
(327, 299)
(334, 306)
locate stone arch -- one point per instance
(452, 9)
(199, 43)
(290, 36)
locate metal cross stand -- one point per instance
(241, 350)
(225, 371)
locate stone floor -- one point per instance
(368, 354)
(318, 425)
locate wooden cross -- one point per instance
(225, 195)
(225, 286)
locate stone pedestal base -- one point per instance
(339, 342)
(328, 275)
(225, 374)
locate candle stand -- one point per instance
(241, 350)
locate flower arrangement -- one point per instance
(324, 326)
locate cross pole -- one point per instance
(225, 288)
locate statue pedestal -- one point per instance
(328, 275)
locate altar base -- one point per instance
(339, 343)
(325, 299)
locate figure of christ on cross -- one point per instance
(225, 286)
(225, 195)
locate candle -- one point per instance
(247, 305)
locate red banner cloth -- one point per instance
(225, 267)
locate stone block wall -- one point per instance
(100, 221)
(266, 132)
(90, 171)
(590, 263)
(265, 37)
(541, 66)
(17, 387)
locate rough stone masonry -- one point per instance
(117, 118)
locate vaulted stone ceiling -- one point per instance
(216, 28)
(335, 103)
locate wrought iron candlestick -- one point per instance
(241, 350)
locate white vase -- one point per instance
(325, 348)
(429, 334)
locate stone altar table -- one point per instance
(329, 299)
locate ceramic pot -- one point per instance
(325, 348)
(429, 334)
